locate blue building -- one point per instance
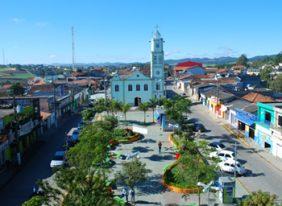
(267, 122)
(136, 87)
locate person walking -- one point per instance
(125, 193)
(160, 146)
(132, 194)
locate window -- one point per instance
(158, 72)
(145, 87)
(130, 87)
(157, 86)
(267, 116)
(280, 121)
(157, 45)
(137, 87)
(116, 88)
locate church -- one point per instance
(137, 87)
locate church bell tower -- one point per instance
(157, 64)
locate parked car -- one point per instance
(231, 166)
(223, 155)
(58, 159)
(217, 145)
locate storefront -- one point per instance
(246, 122)
(263, 137)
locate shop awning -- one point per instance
(245, 117)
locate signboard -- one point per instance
(139, 129)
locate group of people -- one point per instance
(125, 193)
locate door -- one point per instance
(137, 101)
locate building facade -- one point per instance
(136, 87)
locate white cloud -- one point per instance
(17, 20)
(52, 56)
(41, 24)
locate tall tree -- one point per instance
(265, 74)
(276, 84)
(125, 108)
(144, 108)
(17, 89)
(260, 198)
(152, 104)
(132, 173)
(242, 60)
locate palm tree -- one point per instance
(115, 106)
(152, 104)
(144, 107)
(125, 108)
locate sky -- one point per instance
(39, 31)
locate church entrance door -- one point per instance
(137, 101)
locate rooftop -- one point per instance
(257, 97)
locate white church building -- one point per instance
(136, 87)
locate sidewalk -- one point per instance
(151, 192)
(7, 174)
(249, 143)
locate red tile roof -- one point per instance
(255, 97)
(189, 64)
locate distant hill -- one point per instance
(206, 61)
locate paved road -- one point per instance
(262, 175)
(20, 187)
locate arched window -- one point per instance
(116, 88)
(157, 86)
(130, 87)
(137, 87)
(145, 87)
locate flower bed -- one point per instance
(180, 176)
(129, 137)
(168, 183)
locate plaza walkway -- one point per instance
(152, 192)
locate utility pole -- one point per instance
(55, 106)
(18, 154)
(73, 48)
(235, 164)
(3, 55)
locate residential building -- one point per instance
(266, 119)
(18, 131)
(276, 131)
(189, 67)
(136, 87)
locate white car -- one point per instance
(231, 166)
(58, 160)
(223, 155)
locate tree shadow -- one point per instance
(160, 157)
(141, 149)
(250, 173)
(143, 202)
(148, 141)
(152, 185)
(138, 122)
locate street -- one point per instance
(262, 175)
(19, 189)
